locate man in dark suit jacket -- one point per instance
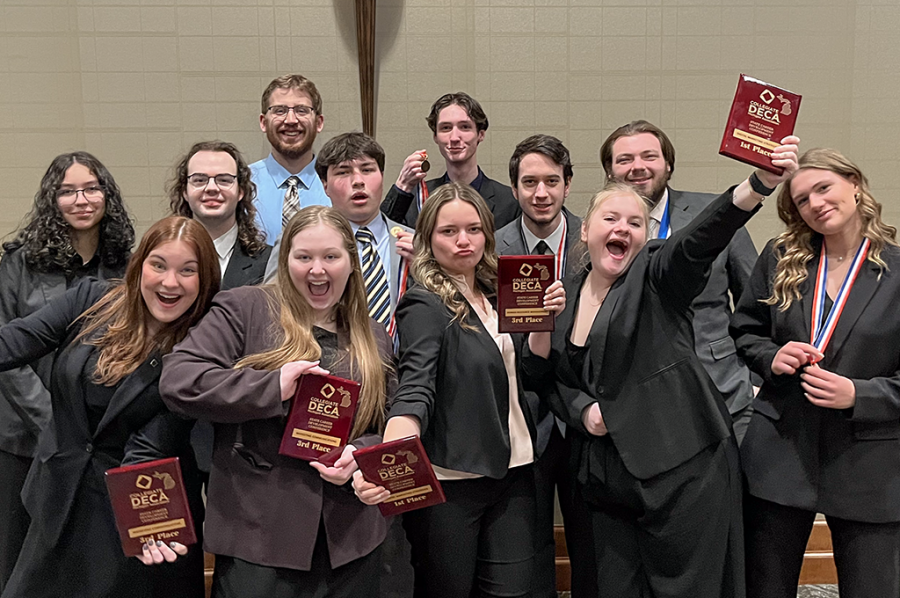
(641, 154)
(540, 171)
(212, 185)
(458, 123)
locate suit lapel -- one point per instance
(130, 388)
(234, 272)
(396, 260)
(861, 294)
(680, 212)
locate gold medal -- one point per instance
(396, 231)
(426, 165)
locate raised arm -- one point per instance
(199, 379)
(681, 267)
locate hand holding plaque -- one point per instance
(402, 468)
(321, 416)
(522, 281)
(761, 116)
(150, 505)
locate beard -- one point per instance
(291, 151)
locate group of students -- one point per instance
(662, 502)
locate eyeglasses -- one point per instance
(281, 112)
(223, 181)
(90, 194)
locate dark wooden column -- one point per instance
(365, 43)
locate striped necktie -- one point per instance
(291, 203)
(378, 295)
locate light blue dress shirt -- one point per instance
(271, 178)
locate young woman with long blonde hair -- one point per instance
(819, 324)
(281, 527)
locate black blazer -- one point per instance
(728, 277)
(455, 382)
(511, 241)
(658, 402)
(24, 391)
(244, 269)
(844, 463)
(400, 206)
(65, 490)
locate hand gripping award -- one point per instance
(403, 469)
(320, 418)
(761, 116)
(522, 281)
(150, 504)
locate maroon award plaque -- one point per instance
(761, 116)
(403, 468)
(150, 504)
(320, 418)
(522, 281)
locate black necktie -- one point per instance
(542, 249)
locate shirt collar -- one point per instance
(280, 174)
(659, 210)
(226, 242)
(553, 241)
(476, 184)
(378, 227)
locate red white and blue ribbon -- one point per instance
(821, 331)
(561, 252)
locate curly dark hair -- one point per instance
(250, 237)
(45, 237)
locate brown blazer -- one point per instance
(262, 507)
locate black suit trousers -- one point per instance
(867, 555)
(676, 535)
(480, 542)
(14, 518)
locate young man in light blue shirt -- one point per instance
(286, 180)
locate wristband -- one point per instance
(759, 187)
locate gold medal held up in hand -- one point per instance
(396, 231)
(426, 165)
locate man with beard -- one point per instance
(641, 154)
(540, 171)
(286, 181)
(458, 124)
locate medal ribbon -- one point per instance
(421, 194)
(820, 332)
(561, 252)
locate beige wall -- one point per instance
(137, 81)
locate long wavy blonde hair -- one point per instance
(794, 247)
(294, 330)
(426, 269)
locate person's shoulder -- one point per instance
(257, 167)
(243, 298)
(508, 233)
(693, 198)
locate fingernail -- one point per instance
(159, 543)
(172, 545)
(145, 546)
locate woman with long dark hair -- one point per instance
(78, 226)
(281, 527)
(106, 411)
(819, 324)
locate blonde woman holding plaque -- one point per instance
(282, 527)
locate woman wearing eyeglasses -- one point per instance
(77, 227)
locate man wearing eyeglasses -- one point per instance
(212, 185)
(286, 180)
